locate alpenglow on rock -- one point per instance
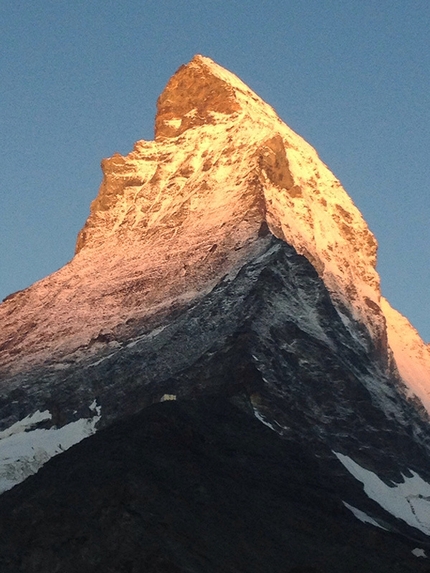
(225, 239)
(222, 164)
(186, 208)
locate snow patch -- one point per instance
(419, 552)
(97, 362)
(168, 398)
(147, 336)
(94, 408)
(363, 517)
(26, 423)
(409, 501)
(175, 122)
(263, 420)
(24, 451)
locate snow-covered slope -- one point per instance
(24, 448)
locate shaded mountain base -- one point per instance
(193, 486)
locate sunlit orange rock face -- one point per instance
(179, 213)
(221, 164)
(191, 98)
(412, 355)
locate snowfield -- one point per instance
(409, 501)
(24, 450)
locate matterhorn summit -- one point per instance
(223, 284)
(178, 213)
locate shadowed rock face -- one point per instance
(193, 486)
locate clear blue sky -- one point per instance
(79, 81)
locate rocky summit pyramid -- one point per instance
(223, 287)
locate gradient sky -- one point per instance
(79, 81)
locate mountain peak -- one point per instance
(194, 94)
(177, 214)
(223, 257)
(200, 93)
(222, 156)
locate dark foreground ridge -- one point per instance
(191, 487)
